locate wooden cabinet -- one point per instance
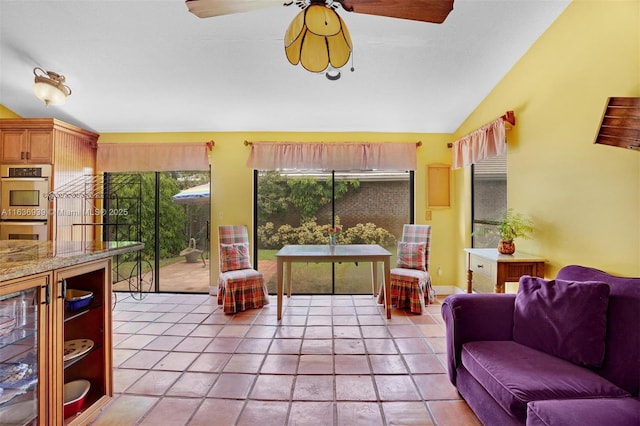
(24, 360)
(60, 358)
(70, 149)
(43, 141)
(488, 270)
(26, 146)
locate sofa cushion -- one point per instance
(234, 257)
(562, 318)
(515, 374)
(584, 412)
(621, 364)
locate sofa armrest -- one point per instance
(475, 317)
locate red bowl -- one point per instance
(74, 395)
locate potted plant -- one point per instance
(511, 226)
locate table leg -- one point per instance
(387, 286)
(374, 277)
(288, 275)
(280, 285)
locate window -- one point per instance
(296, 207)
(488, 199)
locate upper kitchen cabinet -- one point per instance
(45, 141)
(25, 146)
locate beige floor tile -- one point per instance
(171, 412)
(144, 359)
(244, 363)
(387, 364)
(311, 413)
(217, 411)
(232, 385)
(406, 413)
(223, 344)
(193, 385)
(396, 388)
(435, 386)
(453, 413)
(125, 410)
(315, 364)
(424, 363)
(355, 388)
(176, 361)
(264, 413)
(313, 388)
(352, 364)
(209, 363)
(154, 383)
(280, 364)
(413, 346)
(273, 387)
(358, 414)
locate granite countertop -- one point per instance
(20, 258)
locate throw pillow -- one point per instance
(411, 256)
(567, 319)
(235, 256)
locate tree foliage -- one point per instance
(306, 195)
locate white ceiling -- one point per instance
(151, 66)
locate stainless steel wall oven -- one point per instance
(24, 201)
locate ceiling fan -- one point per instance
(318, 38)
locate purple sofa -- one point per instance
(560, 352)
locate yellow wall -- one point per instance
(7, 113)
(584, 198)
(232, 181)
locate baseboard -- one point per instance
(447, 289)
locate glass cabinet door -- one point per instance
(19, 355)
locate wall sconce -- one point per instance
(49, 87)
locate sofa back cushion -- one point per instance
(622, 352)
(566, 319)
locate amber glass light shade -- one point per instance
(316, 38)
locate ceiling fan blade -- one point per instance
(209, 8)
(435, 11)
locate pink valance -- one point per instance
(157, 157)
(332, 156)
(488, 141)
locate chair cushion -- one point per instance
(234, 256)
(562, 318)
(411, 255)
(516, 374)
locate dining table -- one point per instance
(373, 253)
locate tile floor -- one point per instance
(333, 360)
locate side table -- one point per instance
(489, 267)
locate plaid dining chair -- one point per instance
(240, 287)
(410, 279)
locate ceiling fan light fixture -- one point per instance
(49, 87)
(318, 38)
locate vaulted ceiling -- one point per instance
(151, 66)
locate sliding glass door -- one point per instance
(169, 213)
(298, 207)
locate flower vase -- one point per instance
(332, 239)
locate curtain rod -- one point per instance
(247, 143)
(508, 116)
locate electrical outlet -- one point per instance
(439, 271)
